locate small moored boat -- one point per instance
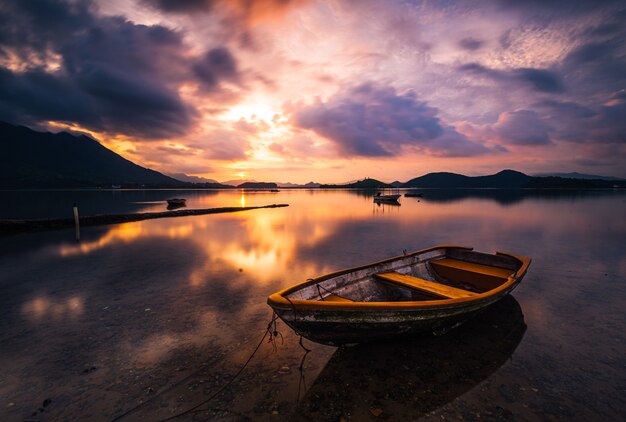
(176, 203)
(413, 195)
(379, 197)
(424, 291)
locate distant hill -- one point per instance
(31, 159)
(507, 179)
(258, 185)
(190, 179)
(503, 179)
(576, 175)
(361, 184)
(563, 183)
(295, 185)
(199, 182)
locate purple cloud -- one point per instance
(112, 75)
(470, 44)
(523, 127)
(538, 79)
(217, 64)
(373, 120)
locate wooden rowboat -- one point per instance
(429, 290)
(177, 201)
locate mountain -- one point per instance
(361, 184)
(295, 185)
(190, 179)
(31, 159)
(576, 175)
(508, 179)
(503, 179)
(199, 182)
(552, 182)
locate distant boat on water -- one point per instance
(413, 195)
(176, 203)
(430, 290)
(379, 197)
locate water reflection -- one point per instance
(41, 307)
(511, 196)
(404, 380)
(150, 302)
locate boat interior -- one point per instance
(440, 274)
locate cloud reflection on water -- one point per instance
(42, 306)
(173, 293)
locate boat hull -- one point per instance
(308, 309)
(347, 327)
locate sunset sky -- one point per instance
(329, 91)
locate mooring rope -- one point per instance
(318, 285)
(273, 333)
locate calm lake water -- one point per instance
(145, 320)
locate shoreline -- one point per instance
(8, 227)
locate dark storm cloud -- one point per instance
(112, 75)
(372, 120)
(43, 96)
(37, 24)
(538, 79)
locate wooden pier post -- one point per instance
(76, 223)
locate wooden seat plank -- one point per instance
(472, 267)
(420, 284)
(482, 277)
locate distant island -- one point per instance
(506, 179)
(44, 160)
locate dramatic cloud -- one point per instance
(216, 65)
(372, 120)
(523, 127)
(110, 75)
(331, 86)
